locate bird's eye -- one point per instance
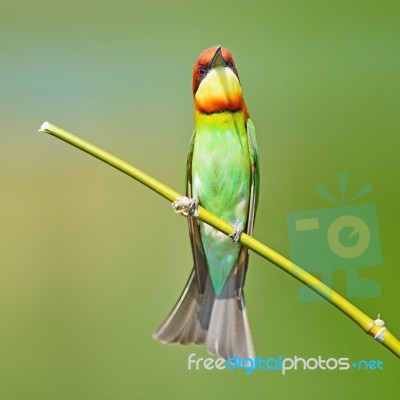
(202, 70)
(230, 64)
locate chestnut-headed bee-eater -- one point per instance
(223, 174)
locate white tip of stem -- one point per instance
(44, 127)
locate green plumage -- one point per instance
(224, 176)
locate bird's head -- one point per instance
(216, 85)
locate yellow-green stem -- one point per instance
(365, 322)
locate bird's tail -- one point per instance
(219, 321)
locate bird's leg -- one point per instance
(186, 206)
(235, 235)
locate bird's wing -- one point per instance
(243, 257)
(255, 173)
(199, 258)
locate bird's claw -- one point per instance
(186, 206)
(235, 235)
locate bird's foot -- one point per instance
(235, 235)
(186, 206)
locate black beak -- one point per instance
(217, 60)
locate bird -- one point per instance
(222, 175)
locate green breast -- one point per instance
(221, 181)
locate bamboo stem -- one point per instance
(374, 328)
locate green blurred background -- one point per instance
(91, 262)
